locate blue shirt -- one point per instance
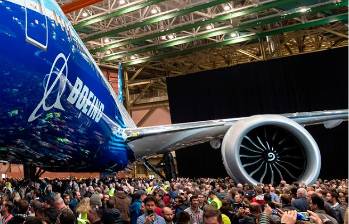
(135, 211)
(157, 220)
(274, 197)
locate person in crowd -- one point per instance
(50, 211)
(21, 215)
(168, 215)
(95, 201)
(159, 202)
(6, 211)
(332, 198)
(75, 200)
(66, 216)
(52, 201)
(82, 210)
(238, 202)
(180, 205)
(227, 209)
(32, 220)
(202, 200)
(38, 210)
(111, 215)
(259, 198)
(122, 203)
(300, 203)
(274, 197)
(66, 199)
(149, 215)
(195, 213)
(136, 206)
(214, 200)
(183, 218)
(285, 200)
(212, 216)
(90, 192)
(48, 193)
(317, 206)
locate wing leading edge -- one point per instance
(160, 139)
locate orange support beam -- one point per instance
(78, 4)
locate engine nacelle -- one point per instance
(268, 149)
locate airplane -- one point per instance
(59, 113)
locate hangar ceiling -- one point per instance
(155, 39)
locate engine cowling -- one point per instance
(268, 149)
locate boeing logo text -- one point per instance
(86, 101)
(80, 95)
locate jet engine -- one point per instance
(268, 149)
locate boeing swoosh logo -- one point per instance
(80, 95)
(60, 80)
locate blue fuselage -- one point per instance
(57, 111)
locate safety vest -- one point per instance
(225, 219)
(217, 202)
(111, 192)
(82, 218)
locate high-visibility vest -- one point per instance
(111, 192)
(82, 218)
(217, 202)
(225, 219)
(149, 189)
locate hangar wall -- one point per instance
(309, 82)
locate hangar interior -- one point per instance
(158, 39)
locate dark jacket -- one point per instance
(17, 219)
(73, 203)
(179, 209)
(288, 207)
(247, 220)
(94, 216)
(300, 204)
(135, 211)
(51, 214)
(339, 213)
(111, 216)
(325, 218)
(122, 203)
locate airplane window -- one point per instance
(50, 14)
(34, 5)
(69, 33)
(55, 17)
(60, 21)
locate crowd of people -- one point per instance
(144, 201)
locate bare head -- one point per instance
(301, 193)
(168, 214)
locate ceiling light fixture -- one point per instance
(108, 52)
(84, 14)
(106, 40)
(133, 57)
(304, 9)
(234, 34)
(121, 2)
(209, 27)
(171, 36)
(226, 7)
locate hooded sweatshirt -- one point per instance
(122, 203)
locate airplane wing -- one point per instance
(148, 141)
